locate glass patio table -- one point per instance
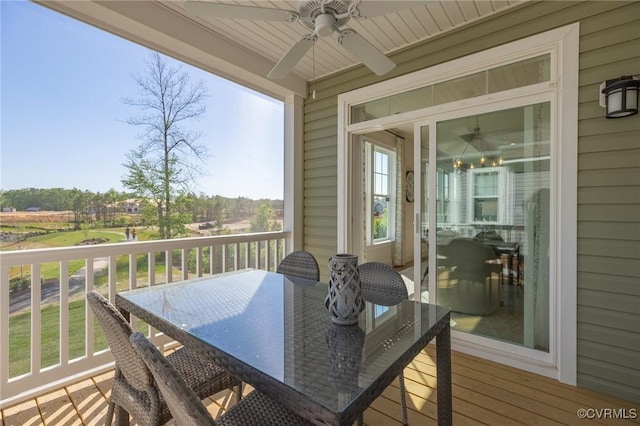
(274, 332)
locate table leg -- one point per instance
(443, 365)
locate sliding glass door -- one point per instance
(486, 228)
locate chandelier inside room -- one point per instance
(485, 160)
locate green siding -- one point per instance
(608, 171)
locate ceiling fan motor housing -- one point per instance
(311, 15)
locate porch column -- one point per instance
(293, 171)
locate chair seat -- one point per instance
(257, 409)
(201, 374)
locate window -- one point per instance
(380, 193)
(485, 197)
(490, 196)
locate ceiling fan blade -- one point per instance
(234, 11)
(292, 57)
(366, 52)
(373, 8)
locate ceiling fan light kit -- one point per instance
(323, 18)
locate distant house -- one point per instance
(8, 209)
(131, 205)
(33, 209)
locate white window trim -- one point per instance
(564, 44)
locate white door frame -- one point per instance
(563, 44)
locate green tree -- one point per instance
(112, 198)
(216, 212)
(265, 219)
(166, 164)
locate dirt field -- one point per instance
(17, 218)
(50, 218)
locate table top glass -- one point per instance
(279, 326)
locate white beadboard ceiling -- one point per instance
(245, 51)
(390, 32)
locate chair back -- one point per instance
(185, 406)
(469, 259)
(117, 331)
(300, 264)
(381, 284)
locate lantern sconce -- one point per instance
(620, 96)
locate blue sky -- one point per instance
(63, 122)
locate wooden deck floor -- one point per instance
(484, 393)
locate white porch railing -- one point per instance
(195, 257)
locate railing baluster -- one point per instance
(89, 284)
(236, 257)
(168, 260)
(211, 257)
(113, 277)
(267, 255)
(224, 258)
(133, 271)
(184, 263)
(36, 318)
(151, 273)
(64, 314)
(199, 261)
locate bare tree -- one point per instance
(169, 160)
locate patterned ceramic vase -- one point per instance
(344, 296)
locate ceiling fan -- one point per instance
(323, 18)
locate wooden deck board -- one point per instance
(484, 393)
(56, 408)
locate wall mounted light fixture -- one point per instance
(620, 96)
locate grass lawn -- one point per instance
(20, 337)
(71, 238)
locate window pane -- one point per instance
(457, 89)
(411, 100)
(486, 184)
(485, 210)
(380, 217)
(520, 74)
(378, 188)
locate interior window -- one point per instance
(380, 193)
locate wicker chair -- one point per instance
(300, 264)
(382, 285)
(471, 288)
(256, 409)
(134, 390)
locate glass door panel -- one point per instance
(423, 214)
(492, 185)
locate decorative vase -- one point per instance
(344, 296)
